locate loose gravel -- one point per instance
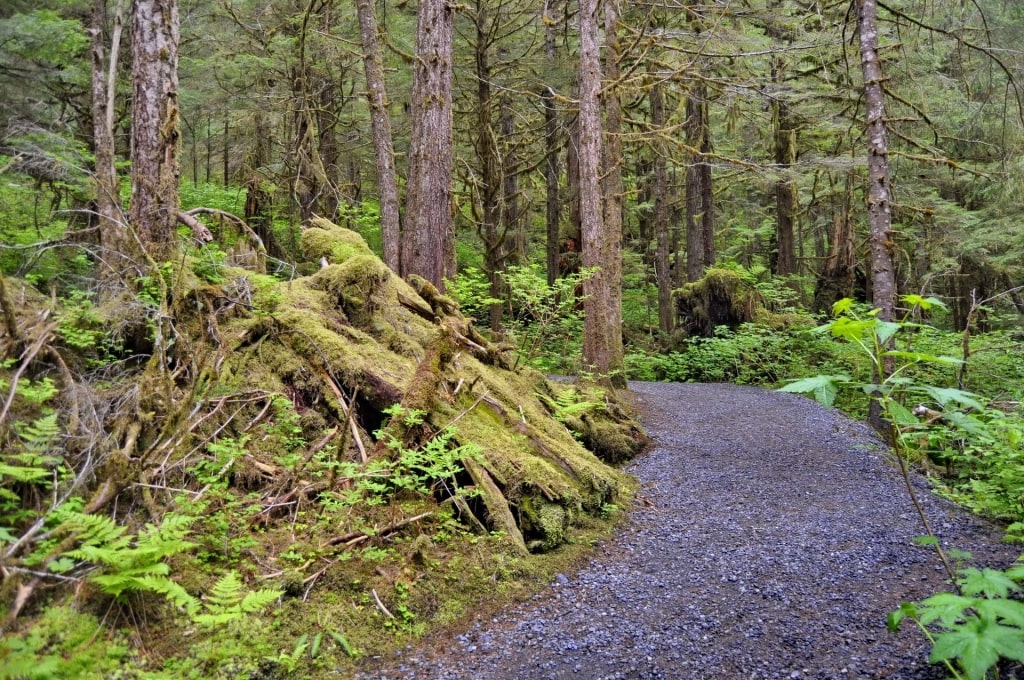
(770, 539)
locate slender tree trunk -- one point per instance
(552, 206)
(225, 155)
(113, 234)
(659, 189)
(155, 136)
(700, 232)
(879, 207)
(428, 246)
(783, 258)
(614, 193)
(883, 282)
(511, 217)
(486, 147)
(380, 126)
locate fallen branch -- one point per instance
(353, 537)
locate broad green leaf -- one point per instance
(842, 306)
(946, 608)
(923, 302)
(968, 423)
(885, 330)
(823, 387)
(1011, 611)
(988, 582)
(925, 540)
(900, 414)
(947, 395)
(923, 357)
(976, 650)
(850, 329)
(907, 609)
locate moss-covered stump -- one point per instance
(720, 298)
(353, 342)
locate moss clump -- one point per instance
(356, 284)
(324, 240)
(720, 298)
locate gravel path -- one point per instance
(770, 540)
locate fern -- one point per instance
(132, 563)
(228, 601)
(568, 404)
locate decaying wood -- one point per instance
(498, 512)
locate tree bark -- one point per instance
(154, 135)
(700, 229)
(879, 207)
(883, 282)
(113, 232)
(380, 126)
(659, 191)
(783, 259)
(428, 245)
(552, 206)
(598, 352)
(614, 193)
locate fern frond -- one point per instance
(93, 529)
(38, 436)
(256, 600)
(226, 593)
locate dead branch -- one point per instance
(354, 537)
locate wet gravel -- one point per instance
(770, 539)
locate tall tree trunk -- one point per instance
(428, 245)
(783, 259)
(511, 217)
(883, 279)
(155, 137)
(380, 126)
(486, 147)
(700, 230)
(598, 352)
(614, 193)
(659, 189)
(113, 234)
(552, 206)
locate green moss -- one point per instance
(720, 298)
(356, 285)
(324, 240)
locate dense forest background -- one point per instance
(265, 325)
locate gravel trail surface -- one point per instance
(770, 539)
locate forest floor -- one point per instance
(770, 539)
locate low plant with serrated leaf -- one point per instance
(973, 629)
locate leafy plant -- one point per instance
(228, 601)
(132, 563)
(974, 628)
(547, 321)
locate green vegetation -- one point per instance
(273, 451)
